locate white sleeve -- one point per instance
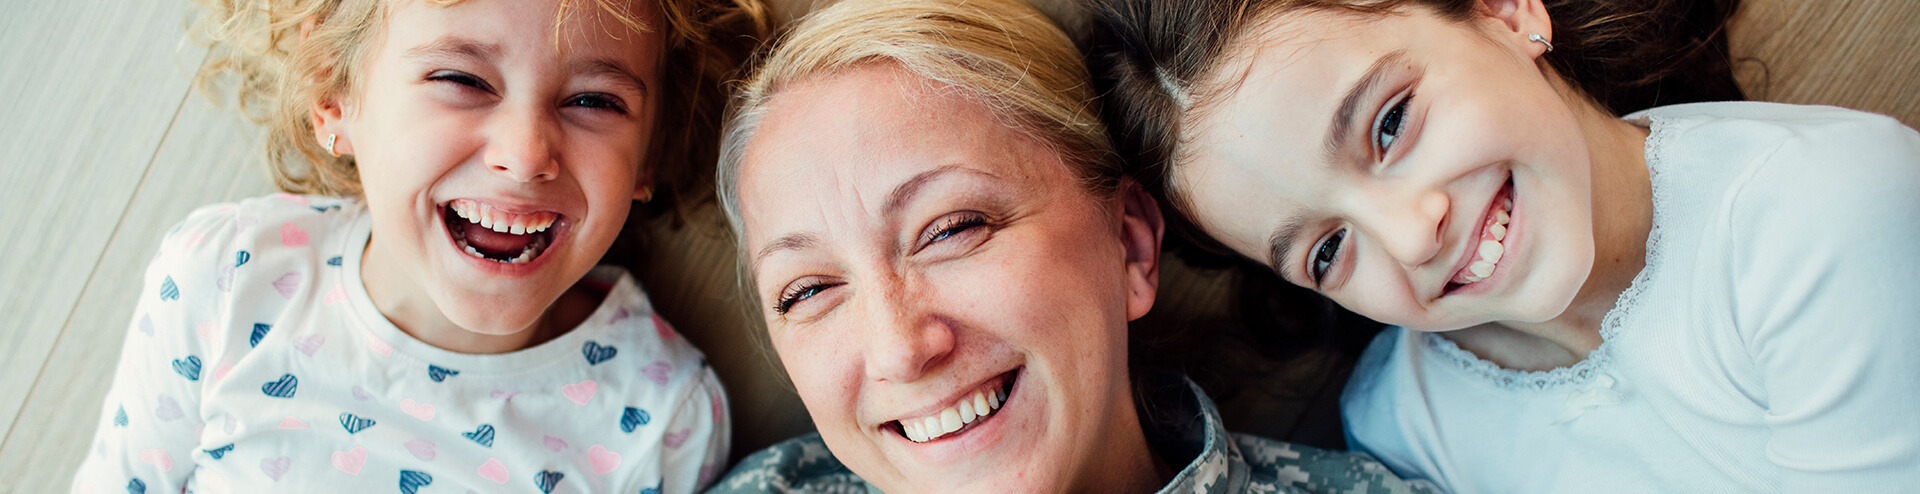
(702, 431)
(1827, 296)
(148, 433)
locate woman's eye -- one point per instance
(1325, 255)
(1391, 122)
(797, 294)
(949, 227)
(597, 100)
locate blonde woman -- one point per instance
(946, 259)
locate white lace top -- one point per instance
(1771, 343)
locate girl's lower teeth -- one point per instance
(526, 253)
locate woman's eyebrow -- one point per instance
(1337, 133)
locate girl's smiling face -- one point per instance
(498, 159)
(951, 305)
(1422, 172)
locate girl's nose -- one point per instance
(1408, 224)
(521, 146)
(904, 341)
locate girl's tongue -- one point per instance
(492, 243)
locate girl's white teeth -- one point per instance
(965, 411)
(1490, 250)
(501, 221)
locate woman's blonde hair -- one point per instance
(282, 56)
(1002, 53)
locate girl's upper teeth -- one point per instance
(1490, 249)
(967, 410)
(501, 221)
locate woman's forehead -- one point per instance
(847, 143)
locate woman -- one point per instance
(947, 259)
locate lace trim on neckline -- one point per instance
(1601, 358)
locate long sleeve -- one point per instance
(148, 433)
(1828, 299)
(697, 438)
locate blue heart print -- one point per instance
(327, 208)
(633, 418)
(240, 258)
(482, 435)
(413, 480)
(656, 487)
(546, 480)
(438, 373)
(597, 353)
(120, 417)
(334, 261)
(169, 290)
(220, 452)
(135, 486)
(282, 388)
(355, 423)
(190, 368)
(260, 330)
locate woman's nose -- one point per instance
(1408, 224)
(521, 145)
(904, 341)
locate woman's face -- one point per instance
(1418, 171)
(918, 258)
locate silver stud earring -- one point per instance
(1537, 38)
(332, 138)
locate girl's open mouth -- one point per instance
(964, 415)
(486, 232)
(1489, 247)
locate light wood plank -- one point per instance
(1860, 54)
(209, 155)
(88, 90)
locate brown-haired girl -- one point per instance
(1698, 297)
(432, 316)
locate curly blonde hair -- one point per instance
(281, 56)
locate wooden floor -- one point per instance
(107, 145)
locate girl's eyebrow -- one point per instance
(1280, 244)
(453, 46)
(611, 69)
(1343, 117)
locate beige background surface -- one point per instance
(107, 146)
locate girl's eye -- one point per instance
(461, 78)
(1390, 124)
(597, 100)
(1325, 255)
(949, 227)
(797, 293)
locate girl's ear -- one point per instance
(1141, 229)
(1517, 21)
(329, 126)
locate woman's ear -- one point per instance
(1141, 228)
(329, 126)
(1517, 21)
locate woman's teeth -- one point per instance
(966, 411)
(502, 221)
(1490, 249)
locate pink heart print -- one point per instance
(350, 461)
(292, 236)
(291, 423)
(603, 461)
(658, 372)
(418, 410)
(158, 458)
(554, 444)
(422, 449)
(288, 284)
(581, 392)
(275, 467)
(293, 198)
(675, 439)
(494, 471)
(661, 326)
(378, 345)
(310, 344)
(338, 295)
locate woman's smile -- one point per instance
(961, 415)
